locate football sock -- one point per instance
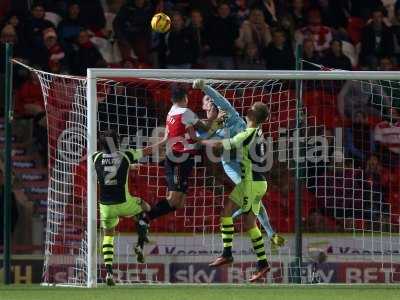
(108, 251)
(160, 209)
(258, 243)
(227, 230)
(142, 229)
(263, 218)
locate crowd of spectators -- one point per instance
(69, 36)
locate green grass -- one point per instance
(203, 292)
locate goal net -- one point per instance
(340, 138)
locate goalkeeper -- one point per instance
(248, 193)
(232, 125)
(112, 168)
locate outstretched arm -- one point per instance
(232, 143)
(204, 125)
(134, 155)
(220, 101)
(159, 144)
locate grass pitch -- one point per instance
(203, 292)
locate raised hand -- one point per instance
(199, 84)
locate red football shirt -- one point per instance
(179, 119)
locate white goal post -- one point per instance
(94, 74)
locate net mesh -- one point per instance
(351, 218)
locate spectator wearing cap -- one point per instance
(35, 26)
(278, 55)
(254, 37)
(335, 57)
(69, 28)
(222, 32)
(85, 55)
(377, 40)
(321, 35)
(132, 29)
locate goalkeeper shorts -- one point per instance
(248, 195)
(109, 214)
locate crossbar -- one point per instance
(245, 74)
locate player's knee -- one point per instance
(250, 221)
(180, 204)
(109, 232)
(145, 206)
(177, 199)
(228, 208)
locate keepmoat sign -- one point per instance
(184, 259)
(341, 245)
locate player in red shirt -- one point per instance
(180, 139)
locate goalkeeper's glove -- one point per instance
(199, 84)
(216, 124)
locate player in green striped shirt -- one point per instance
(246, 195)
(112, 166)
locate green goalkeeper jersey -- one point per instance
(251, 152)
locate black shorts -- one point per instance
(178, 174)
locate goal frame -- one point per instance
(100, 73)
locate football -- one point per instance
(160, 23)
